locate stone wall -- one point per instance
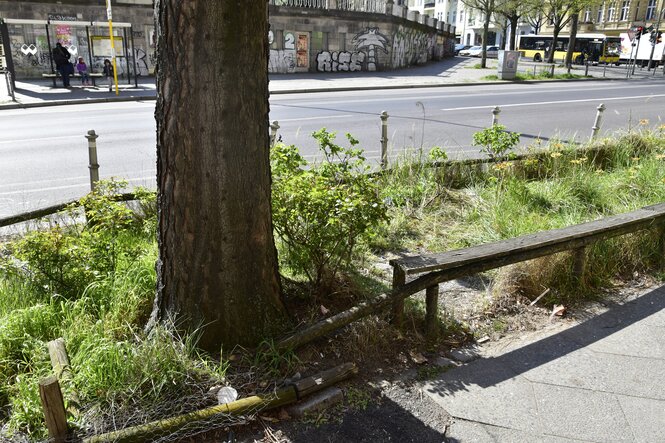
(301, 39)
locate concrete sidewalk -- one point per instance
(599, 379)
(453, 71)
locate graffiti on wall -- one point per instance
(343, 61)
(141, 62)
(411, 46)
(282, 61)
(363, 57)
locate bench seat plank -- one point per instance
(540, 243)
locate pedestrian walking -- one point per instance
(108, 73)
(82, 69)
(61, 58)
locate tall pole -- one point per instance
(653, 43)
(109, 14)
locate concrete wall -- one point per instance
(340, 41)
(302, 39)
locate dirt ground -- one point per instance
(385, 402)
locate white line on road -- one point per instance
(73, 186)
(554, 102)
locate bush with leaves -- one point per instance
(322, 211)
(65, 259)
(495, 141)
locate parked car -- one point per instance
(492, 51)
(460, 47)
(469, 51)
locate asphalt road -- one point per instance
(43, 152)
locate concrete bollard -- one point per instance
(599, 119)
(495, 115)
(274, 127)
(92, 155)
(384, 140)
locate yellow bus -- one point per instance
(595, 48)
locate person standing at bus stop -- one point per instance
(61, 58)
(108, 73)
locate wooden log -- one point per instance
(470, 261)
(327, 378)
(397, 317)
(54, 409)
(59, 358)
(432, 313)
(289, 394)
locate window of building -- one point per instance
(601, 10)
(651, 10)
(625, 8)
(587, 16)
(610, 12)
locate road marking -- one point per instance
(322, 117)
(596, 100)
(76, 185)
(62, 137)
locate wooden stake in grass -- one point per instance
(54, 409)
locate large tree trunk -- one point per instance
(217, 267)
(486, 27)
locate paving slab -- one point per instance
(582, 414)
(598, 379)
(646, 417)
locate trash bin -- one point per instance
(508, 64)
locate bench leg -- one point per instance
(397, 318)
(579, 264)
(432, 313)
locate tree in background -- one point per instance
(559, 13)
(513, 11)
(217, 267)
(485, 7)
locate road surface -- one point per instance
(43, 151)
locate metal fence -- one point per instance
(376, 6)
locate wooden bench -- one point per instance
(446, 266)
(55, 75)
(450, 265)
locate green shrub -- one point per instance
(322, 211)
(496, 142)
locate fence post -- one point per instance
(552, 69)
(495, 115)
(599, 119)
(384, 140)
(92, 155)
(274, 127)
(54, 409)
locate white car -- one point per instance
(470, 50)
(477, 51)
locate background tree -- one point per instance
(485, 7)
(514, 11)
(217, 266)
(559, 12)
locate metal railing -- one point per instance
(376, 6)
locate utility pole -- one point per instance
(109, 14)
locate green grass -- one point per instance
(520, 77)
(94, 285)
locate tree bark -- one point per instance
(571, 40)
(217, 269)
